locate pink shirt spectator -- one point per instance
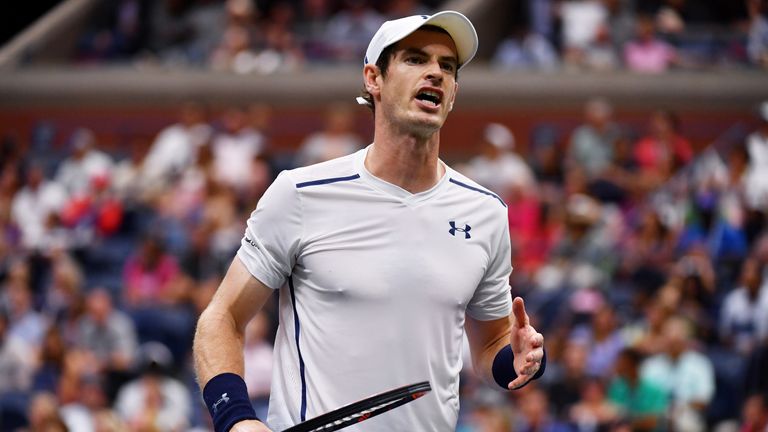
(144, 285)
(653, 56)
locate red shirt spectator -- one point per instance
(664, 149)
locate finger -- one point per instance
(518, 308)
(519, 381)
(537, 340)
(535, 356)
(530, 368)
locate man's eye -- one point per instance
(449, 67)
(413, 60)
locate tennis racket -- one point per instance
(363, 409)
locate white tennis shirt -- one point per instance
(374, 285)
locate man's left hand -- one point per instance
(527, 345)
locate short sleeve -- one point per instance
(492, 299)
(271, 241)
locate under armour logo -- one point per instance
(464, 230)
(224, 399)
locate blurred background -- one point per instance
(629, 138)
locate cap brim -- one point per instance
(461, 30)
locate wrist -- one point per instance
(503, 367)
(226, 397)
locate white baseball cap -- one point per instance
(457, 25)
(499, 136)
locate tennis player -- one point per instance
(383, 259)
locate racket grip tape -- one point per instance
(226, 397)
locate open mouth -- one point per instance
(429, 97)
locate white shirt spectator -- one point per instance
(756, 178)
(84, 164)
(30, 209)
(76, 174)
(744, 319)
(15, 367)
(174, 149)
(499, 168)
(582, 19)
(233, 155)
(136, 398)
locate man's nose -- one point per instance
(434, 72)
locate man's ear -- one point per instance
(453, 98)
(371, 81)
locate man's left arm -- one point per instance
(507, 351)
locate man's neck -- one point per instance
(405, 160)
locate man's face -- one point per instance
(420, 86)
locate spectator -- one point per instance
(584, 244)
(150, 274)
(80, 414)
(594, 411)
(312, 29)
(756, 178)
(754, 415)
(648, 253)
(646, 53)
(281, 50)
(582, 22)
(660, 153)
(35, 209)
(604, 341)
(43, 414)
(535, 414)
(24, 322)
(525, 50)
(686, 376)
(50, 363)
(649, 339)
(350, 28)
(235, 52)
(86, 163)
(154, 400)
(65, 286)
(15, 376)
(591, 147)
(489, 418)
(499, 167)
(118, 30)
(176, 146)
(107, 334)
(156, 300)
(235, 148)
(757, 45)
(743, 320)
(641, 401)
(565, 390)
(337, 138)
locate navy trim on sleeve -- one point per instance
(482, 191)
(326, 181)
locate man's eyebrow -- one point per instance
(418, 51)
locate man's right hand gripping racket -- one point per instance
(363, 410)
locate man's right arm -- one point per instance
(219, 338)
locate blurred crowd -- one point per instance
(643, 261)
(272, 36)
